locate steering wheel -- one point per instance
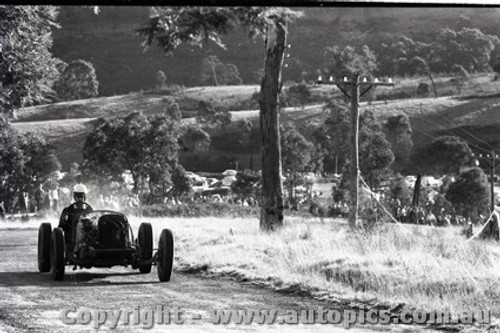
(83, 203)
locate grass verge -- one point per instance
(423, 267)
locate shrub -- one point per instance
(398, 94)
(297, 94)
(423, 89)
(78, 81)
(161, 78)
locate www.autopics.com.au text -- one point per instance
(162, 315)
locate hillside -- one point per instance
(475, 118)
(110, 42)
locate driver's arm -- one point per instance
(64, 219)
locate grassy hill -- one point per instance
(474, 115)
(110, 42)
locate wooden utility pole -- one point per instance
(492, 181)
(351, 88)
(354, 166)
(490, 159)
(492, 229)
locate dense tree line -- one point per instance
(27, 67)
(26, 162)
(469, 48)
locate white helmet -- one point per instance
(80, 188)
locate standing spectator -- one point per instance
(55, 198)
(402, 214)
(430, 218)
(20, 206)
(420, 215)
(26, 202)
(46, 201)
(469, 231)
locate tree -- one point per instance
(26, 161)
(495, 55)
(181, 185)
(469, 194)
(297, 94)
(375, 151)
(171, 108)
(78, 81)
(345, 62)
(399, 133)
(27, 68)
(444, 155)
(469, 48)
(160, 154)
(422, 67)
(208, 115)
(395, 56)
(147, 146)
(459, 77)
(231, 75)
(333, 135)
(161, 79)
(235, 138)
(214, 72)
(194, 139)
(245, 186)
(399, 190)
(170, 27)
(209, 70)
(73, 176)
(297, 157)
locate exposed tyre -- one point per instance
(145, 242)
(57, 254)
(44, 247)
(165, 255)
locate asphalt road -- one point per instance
(31, 302)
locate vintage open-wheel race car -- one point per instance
(103, 238)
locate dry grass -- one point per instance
(424, 267)
(55, 129)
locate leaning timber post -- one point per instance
(416, 195)
(354, 165)
(492, 182)
(271, 213)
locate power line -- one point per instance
(467, 132)
(464, 139)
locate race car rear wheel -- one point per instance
(57, 254)
(145, 242)
(165, 255)
(44, 247)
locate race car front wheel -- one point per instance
(165, 258)
(145, 241)
(57, 254)
(44, 247)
